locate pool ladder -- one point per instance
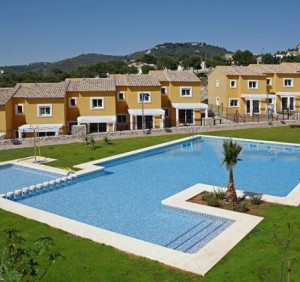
(41, 187)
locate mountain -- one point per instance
(66, 65)
(178, 49)
(167, 49)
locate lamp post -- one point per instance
(143, 116)
(268, 108)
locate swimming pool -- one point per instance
(138, 190)
(13, 177)
(126, 197)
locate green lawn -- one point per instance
(257, 258)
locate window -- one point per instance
(19, 109)
(252, 84)
(163, 91)
(232, 83)
(185, 92)
(97, 103)
(217, 83)
(121, 96)
(233, 103)
(144, 97)
(287, 82)
(72, 102)
(121, 119)
(269, 81)
(44, 110)
(167, 112)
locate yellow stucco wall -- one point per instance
(133, 94)
(175, 92)
(84, 103)
(217, 87)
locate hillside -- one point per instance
(178, 49)
(167, 49)
(66, 65)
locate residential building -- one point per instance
(255, 89)
(119, 102)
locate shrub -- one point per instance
(220, 193)
(256, 199)
(241, 206)
(106, 140)
(19, 262)
(211, 199)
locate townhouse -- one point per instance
(119, 102)
(255, 89)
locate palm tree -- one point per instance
(231, 151)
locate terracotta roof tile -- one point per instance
(92, 85)
(135, 80)
(6, 94)
(41, 90)
(175, 76)
(240, 70)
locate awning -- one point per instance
(258, 96)
(189, 106)
(288, 93)
(40, 127)
(96, 119)
(147, 112)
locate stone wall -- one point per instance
(160, 131)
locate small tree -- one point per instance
(231, 151)
(18, 262)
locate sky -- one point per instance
(48, 31)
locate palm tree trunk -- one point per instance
(231, 193)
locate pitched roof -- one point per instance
(175, 76)
(5, 95)
(41, 90)
(92, 85)
(280, 69)
(135, 80)
(240, 70)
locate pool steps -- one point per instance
(196, 237)
(41, 187)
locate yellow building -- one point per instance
(92, 102)
(180, 97)
(255, 89)
(6, 112)
(39, 108)
(119, 102)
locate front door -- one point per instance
(186, 116)
(148, 122)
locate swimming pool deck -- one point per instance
(199, 263)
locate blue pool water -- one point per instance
(13, 177)
(126, 197)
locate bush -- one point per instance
(241, 206)
(256, 199)
(211, 199)
(220, 193)
(19, 262)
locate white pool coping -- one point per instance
(199, 263)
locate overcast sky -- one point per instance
(48, 31)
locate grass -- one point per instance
(257, 258)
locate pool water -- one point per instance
(13, 177)
(126, 197)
